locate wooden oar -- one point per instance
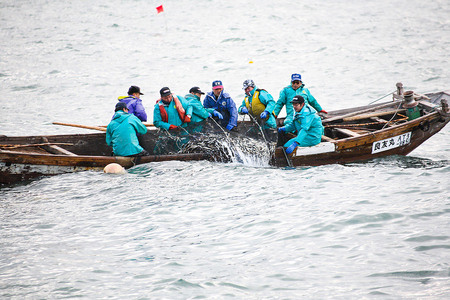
(81, 126)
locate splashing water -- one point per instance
(242, 150)
(249, 151)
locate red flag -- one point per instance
(159, 9)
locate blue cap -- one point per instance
(217, 84)
(296, 76)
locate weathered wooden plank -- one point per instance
(327, 139)
(354, 113)
(428, 105)
(58, 150)
(347, 132)
(379, 120)
(376, 114)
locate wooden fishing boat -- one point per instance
(362, 133)
(26, 157)
(356, 134)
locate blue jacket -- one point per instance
(134, 106)
(173, 117)
(266, 99)
(121, 134)
(225, 105)
(199, 113)
(286, 96)
(308, 125)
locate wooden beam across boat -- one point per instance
(376, 114)
(346, 132)
(55, 149)
(366, 110)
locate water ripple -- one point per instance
(203, 230)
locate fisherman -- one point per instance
(171, 112)
(199, 113)
(122, 131)
(287, 94)
(306, 123)
(259, 103)
(134, 103)
(222, 102)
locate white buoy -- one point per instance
(114, 168)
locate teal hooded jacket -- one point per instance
(286, 96)
(308, 125)
(121, 134)
(199, 113)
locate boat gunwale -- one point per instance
(57, 159)
(384, 132)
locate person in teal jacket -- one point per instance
(259, 103)
(287, 94)
(121, 132)
(171, 112)
(306, 122)
(199, 113)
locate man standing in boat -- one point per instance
(171, 112)
(259, 103)
(297, 87)
(134, 103)
(306, 123)
(122, 131)
(222, 102)
(199, 113)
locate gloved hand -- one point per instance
(323, 111)
(229, 127)
(218, 114)
(210, 115)
(264, 115)
(173, 127)
(281, 129)
(291, 148)
(187, 119)
(244, 110)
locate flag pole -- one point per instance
(160, 9)
(165, 21)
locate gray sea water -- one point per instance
(203, 230)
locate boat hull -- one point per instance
(351, 135)
(16, 167)
(354, 149)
